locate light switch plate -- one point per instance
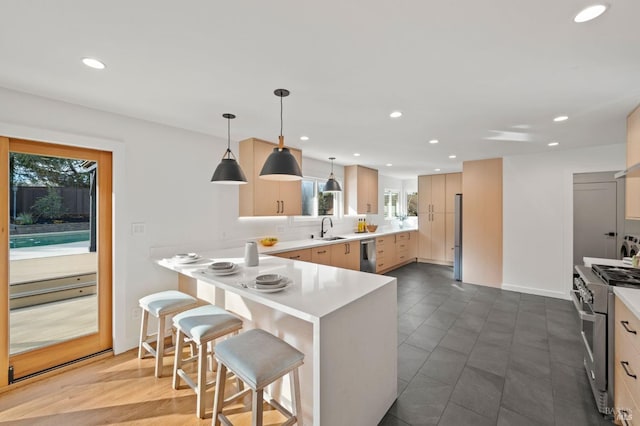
(138, 228)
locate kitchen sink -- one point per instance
(332, 238)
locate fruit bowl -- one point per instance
(372, 228)
(268, 241)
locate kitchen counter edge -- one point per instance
(285, 246)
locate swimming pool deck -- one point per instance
(49, 323)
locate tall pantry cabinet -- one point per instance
(632, 180)
(436, 203)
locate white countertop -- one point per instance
(630, 297)
(588, 261)
(315, 242)
(316, 290)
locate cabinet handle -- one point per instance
(624, 415)
(625, 324)
(294, 257)
(624, 365)
(282, 206)
(321, 252)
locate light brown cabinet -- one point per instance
(627, 363)
(361, 190)
(632, 180)
(403, 251)
(385, 252)
(321, 255)
(302, 255)
(261, 197)
(413, 244)
(436, 201)
(346, 255)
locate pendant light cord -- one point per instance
(281, 121)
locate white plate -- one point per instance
(252, 286)
(213, 273)
(185, 260)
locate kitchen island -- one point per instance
(345, 322)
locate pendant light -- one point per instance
(281, 164)
(332, 184)
(229, 171)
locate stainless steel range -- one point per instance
(593, 297)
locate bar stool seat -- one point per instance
(160, 305)
(201, 325)
(258, 359)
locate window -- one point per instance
(412, 204)
(391, 203)
(316, 202)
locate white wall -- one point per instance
(161, 178)
(538, 215)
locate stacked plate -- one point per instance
(222, 268)
(184, 258)
(270, 281)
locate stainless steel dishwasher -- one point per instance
(368, 255)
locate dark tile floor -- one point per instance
(475, 355)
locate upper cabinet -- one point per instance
(360, 190)
(632, 180)
(436, 193)
(260, 197)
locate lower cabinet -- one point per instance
(385, 252)
(627, 366)
(346, 255)
(391, 251)
(321, 255)
(303, 255)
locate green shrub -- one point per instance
(49, 206)
(24, 219)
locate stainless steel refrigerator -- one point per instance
(457, 236)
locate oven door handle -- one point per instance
(581, 313)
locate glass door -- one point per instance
(58, 254)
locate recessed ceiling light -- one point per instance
(434, 141)
(452, 156)
(356, 154)
(389, 164)
(561, 118)
(93, 63)
(589, 13)
(304, 138)
(395, 114)
(437, 170)
(553, 143)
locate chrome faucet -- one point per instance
(322, 231)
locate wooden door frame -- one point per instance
(4, 264)
(85, 345)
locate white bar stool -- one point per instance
(258, 359)
(160, 305)
(201, 325)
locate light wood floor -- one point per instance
(118, 390)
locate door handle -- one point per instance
(625, 324)
(624, 365)
(610, 234)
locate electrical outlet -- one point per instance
(136, 313)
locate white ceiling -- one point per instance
(484, 77)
